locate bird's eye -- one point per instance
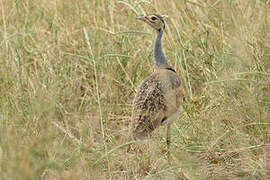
(153, 18)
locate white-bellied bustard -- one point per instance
(159, 96)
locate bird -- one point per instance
(159, 97)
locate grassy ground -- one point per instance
(67, 66)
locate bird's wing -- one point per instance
(149, 106)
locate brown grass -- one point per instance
(69, 71)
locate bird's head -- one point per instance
(155, 21)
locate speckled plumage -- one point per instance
(160, 95)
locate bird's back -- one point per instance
(158, 97)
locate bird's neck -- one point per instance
(159, 58)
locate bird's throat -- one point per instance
(159, 58)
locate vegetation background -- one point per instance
(69, 71)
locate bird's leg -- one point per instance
(168, 141)
(168, 138)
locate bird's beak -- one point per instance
(142, 18)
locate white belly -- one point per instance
(174, 116)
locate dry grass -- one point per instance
(68, 74)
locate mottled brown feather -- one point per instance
(158, 97)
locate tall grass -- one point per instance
(69, 71)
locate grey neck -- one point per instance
(159, 58)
